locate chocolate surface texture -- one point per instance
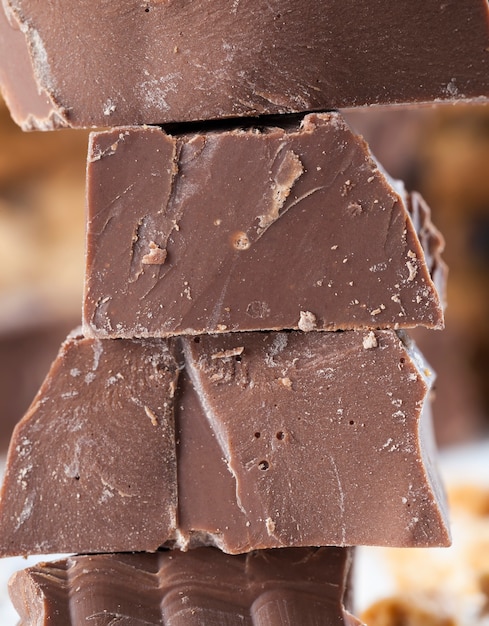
(257, 229)
(242, 441)
(204, 586)
(158, 62)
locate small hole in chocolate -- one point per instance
(263, 465)
(240, 241)
(238, 358)
(402, 360)
(351, 422)
(196, 339)
(77, 477)
(257, 435)
(280, 435)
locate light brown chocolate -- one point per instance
(282, 439)
(285, 587)
(253, 229)
(156, 62)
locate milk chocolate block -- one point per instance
(243, 441)
(91, 415)
(253, 229)
(158, 62)
(285, 587)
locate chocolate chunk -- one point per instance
(157, 62)
(29, 104)
(284, 587)
(296, 415)
(79, 473)
(264, 422)
(277, 228)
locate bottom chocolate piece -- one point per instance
(202, 587)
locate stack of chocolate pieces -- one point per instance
(241, 391)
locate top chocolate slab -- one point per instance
(154, 62)
(253, 229)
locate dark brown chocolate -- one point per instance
(271, 229)
(156, 62)
(307, 586)
(282, 439)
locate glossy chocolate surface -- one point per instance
(253, 229)
(243, 441)
(285, 587)
(157, 62)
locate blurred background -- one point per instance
(41, 257)
(442, 152)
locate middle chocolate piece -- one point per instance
(291, 227)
